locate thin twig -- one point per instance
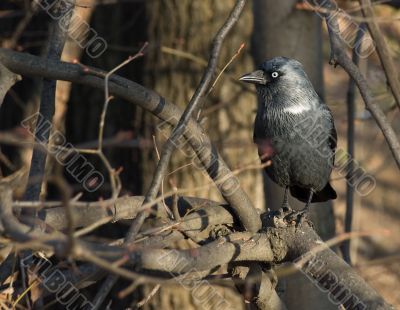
(114, 269)
(91, 227)
(175, 198)
(114, 178)
(20, 28)
(111, 279)
(128, 290)
(162, 182)
(148, 297)
(226, 66)
(203, 62)
(24, 293)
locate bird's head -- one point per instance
(275, 72)
(282, 82)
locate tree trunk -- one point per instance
(176, 26)
(281, 30)
(189, 26)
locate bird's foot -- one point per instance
(302, 217)
(286, 216)
(297, 217)
(304, 212)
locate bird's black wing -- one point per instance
(333, 134)
(327, 193)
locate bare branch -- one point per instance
(55, 47)
(339, 56)
(382, 49)
(351, 98)
(285, 241)
(208, 155)
(148, 297)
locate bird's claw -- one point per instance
(297, 217)
(287, 216)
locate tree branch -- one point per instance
(329, 272)
(339, 56)
(29, 65)
(282, 240)
(351, 98)
(55, 47)
(200, 215)
(382, 49)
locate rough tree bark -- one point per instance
(184, 26)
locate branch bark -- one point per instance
(329, 272)
(198, 215)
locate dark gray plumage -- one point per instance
(294, 129)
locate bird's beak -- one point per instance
(256, 77)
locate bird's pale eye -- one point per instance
(274, 74)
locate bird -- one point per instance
(294, 130)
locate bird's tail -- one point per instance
(327, 193)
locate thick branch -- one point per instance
(296, 242)
(197, 214)
(235, 247)
(288, 243)
(329, 272)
